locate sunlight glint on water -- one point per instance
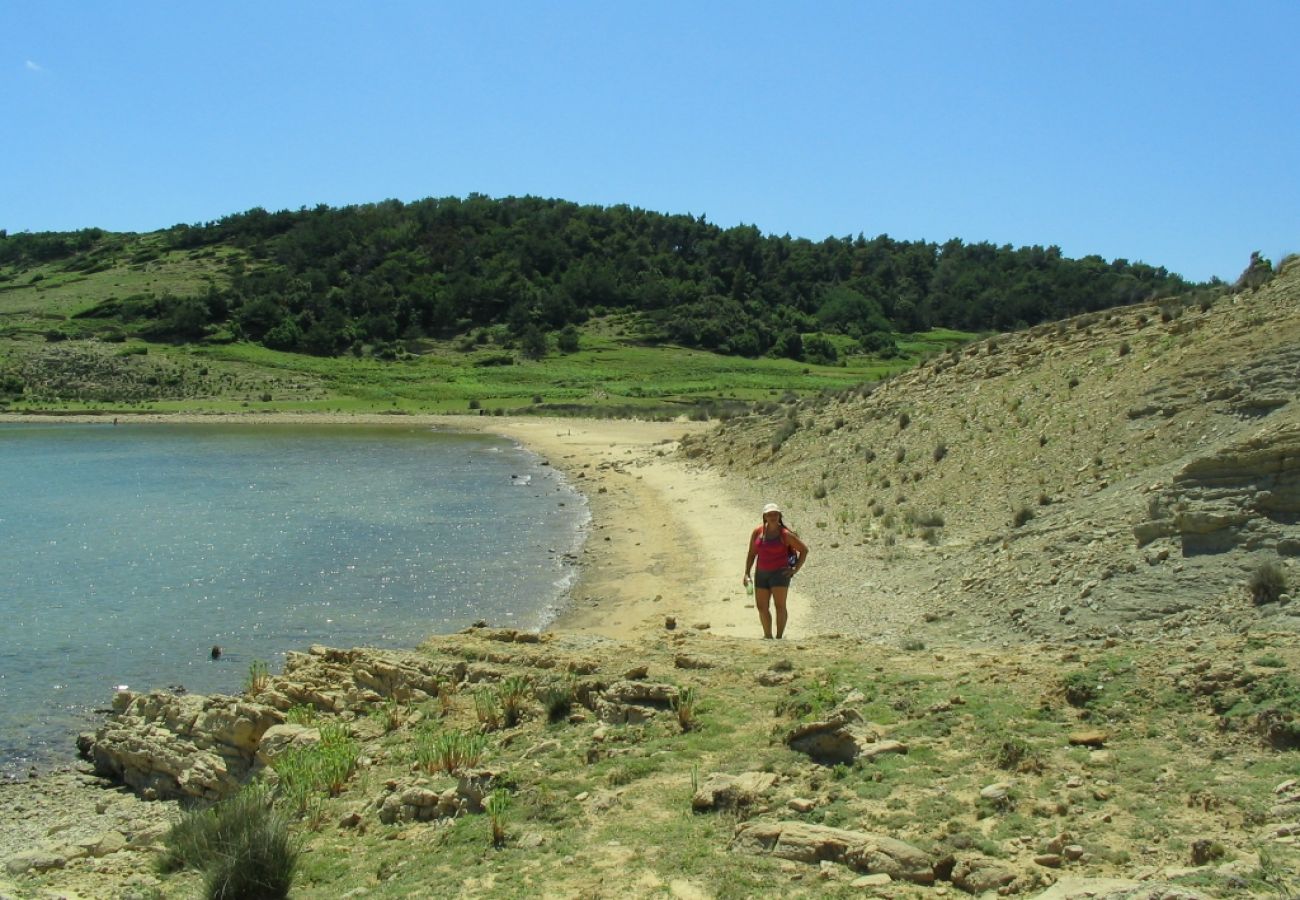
(127, 552)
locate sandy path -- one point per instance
(666, 540)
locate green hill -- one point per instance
(467, 295)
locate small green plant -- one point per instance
(448, 751)
(496, 805)
(301, 714)
(1268, 583)
(306, 774)
(487, 709)
(391, 714)
(259, 678)
(514, 693)
(1022, 516)
(446, 697)
(940, 451)
(912, 645)
(1270, 661)
(684, 705)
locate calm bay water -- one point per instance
(127, 552)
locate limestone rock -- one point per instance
(977, 874)
(285, 736)
(167, 746)
(860, 851)
(722, 791)
(841, 738)
(42, 860)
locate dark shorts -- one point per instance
(773, 578)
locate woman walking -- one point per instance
(780, 555)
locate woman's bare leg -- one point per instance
(761, 596)
(778, 599)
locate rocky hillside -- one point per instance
(1118, 474)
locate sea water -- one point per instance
(128, 552)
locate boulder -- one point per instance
(860, 851)
(841, 738)
(722, 791)
(977, 874)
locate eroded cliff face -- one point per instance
(1120, 473)
(1244, 496)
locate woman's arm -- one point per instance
(749, 558)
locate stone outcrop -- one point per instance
(860, 851)
(633, 702)
(1245, 495)
(840, 738)
(165, 746)
(977, 874)
(170, 746)
(731, 792)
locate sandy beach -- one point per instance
(665, 539)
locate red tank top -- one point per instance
(772, 552)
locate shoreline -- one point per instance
(663, 539)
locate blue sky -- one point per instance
(1165, 132)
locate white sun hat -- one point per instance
(770, 508)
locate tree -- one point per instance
(567, 340)
(848, 312)
(532, 342)
(819, 349)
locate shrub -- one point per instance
(1080, 689)
(929, 520)
(1015, 754)
(514, 695)
(241, 844)
(789, 427)
(940, 451)
(903, 421)
(1022, 516)
(1268, 583)
(557, 698)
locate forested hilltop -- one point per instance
(327, 281)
